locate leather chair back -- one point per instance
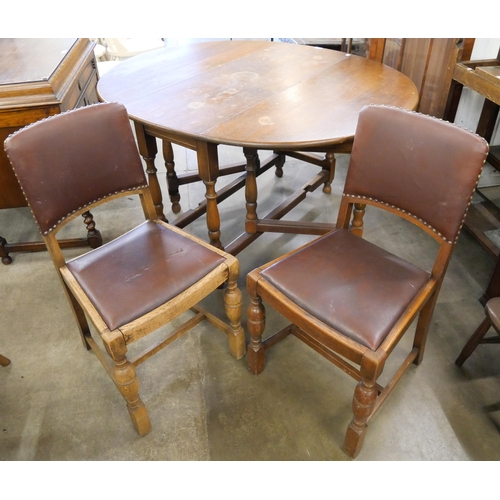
(69, 184)
(384, 166)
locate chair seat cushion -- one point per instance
(141, 270)
(349, 284)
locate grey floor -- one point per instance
(57, 402)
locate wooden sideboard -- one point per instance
(40, 77)
(483, 77)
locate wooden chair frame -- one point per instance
(478, 337)
(356, 359)
(337, 348)
(106, 127)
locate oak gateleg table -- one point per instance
(289, 99)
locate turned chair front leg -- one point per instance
(256, 320)
(233, 308)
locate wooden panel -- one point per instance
(428, 62)
(11, 195)
(441, 63)
(414, 61)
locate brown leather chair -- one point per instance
(4, 361)
(492, 319)
(131, 286)
(351, 300)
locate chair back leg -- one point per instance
(422, 328)
(474, 341)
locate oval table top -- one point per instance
(266, 95)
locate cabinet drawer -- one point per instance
(88, 94)
(71, 98)
(76, 96)
(86, 74)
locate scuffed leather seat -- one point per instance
(75, 161)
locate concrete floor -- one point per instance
(57, 402)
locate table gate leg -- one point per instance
(251, 189)
(172, 180)
(148, 150)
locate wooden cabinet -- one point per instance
(39, 77)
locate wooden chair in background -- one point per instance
(349, 299)
(131, 286)
(492, 319)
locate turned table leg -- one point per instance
(172, 180)
(148, 150)
(251, 189)
(331, 161)
(208, 166)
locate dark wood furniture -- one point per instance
(492, 319)
(257, 95)
(428, 62)
(351, 300)
(138, 282)
(40, 77)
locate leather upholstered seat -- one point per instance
(347, 298)
(131, 286)
(333, 285)
(138, 264)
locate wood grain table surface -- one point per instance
(256, 95)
